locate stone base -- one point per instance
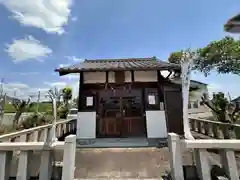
(121, 142)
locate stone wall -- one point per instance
(8, 118)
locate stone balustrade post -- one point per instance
(175, 156)
(23, 165)
(229, 164)
(216, 133)
(206, 128)
(194, 124)
(199, 127)
(5, 165)
(202, 164)
(228, 131)
(69, 158)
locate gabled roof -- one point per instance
(236, 100)
(118, 65)
(233, 24)
(193, 83)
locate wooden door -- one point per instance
(174, 111)
(133, 120)
(110, 120)
(121, 115)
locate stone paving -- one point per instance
(123, 163)
(112, 163)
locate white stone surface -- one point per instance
(86, 125)
(156, 124)
(139, 76)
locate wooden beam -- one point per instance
(160, 88)
(132, 76)
(107, 77)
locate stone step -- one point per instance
(120, 142)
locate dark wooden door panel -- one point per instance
(133, 127)
(121, 114)
(111, 127)
(119, 77)
(174, 114)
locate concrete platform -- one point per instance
(121, 142)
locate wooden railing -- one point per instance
(215, 129)
(40, 133)
(26, 151)
(203, 165)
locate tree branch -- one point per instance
(208, 105)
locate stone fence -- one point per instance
(215, 129)
(26, 152)
(226, 147)
(40, 133)
(22, 146)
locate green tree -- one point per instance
(67, 95)
(55, 93)
(221, 55)
(222, 109)
(20, 106)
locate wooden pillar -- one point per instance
(80, 92)
(160, 87)
(132, 76)
(107, 77)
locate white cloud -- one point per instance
(73, 58)
(59, 84)
(49, 15)
(64, 65)
(27, 49)
(18, 90)
(16, 86)
(24, 91)
(74, 18)
(29, 73)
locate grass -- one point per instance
(43, 107)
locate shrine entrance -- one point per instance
(121, 114)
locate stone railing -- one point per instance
(18, 148)
(215, 129)
(40, 133)
(202, 159)
(27, 149)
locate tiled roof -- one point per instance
(233, 24)
(193, 83)
(236, 100)
(119, 64)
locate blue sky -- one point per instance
(39, 36)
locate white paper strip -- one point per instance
(151, 99)
(89, 101)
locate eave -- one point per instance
(233, 25)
